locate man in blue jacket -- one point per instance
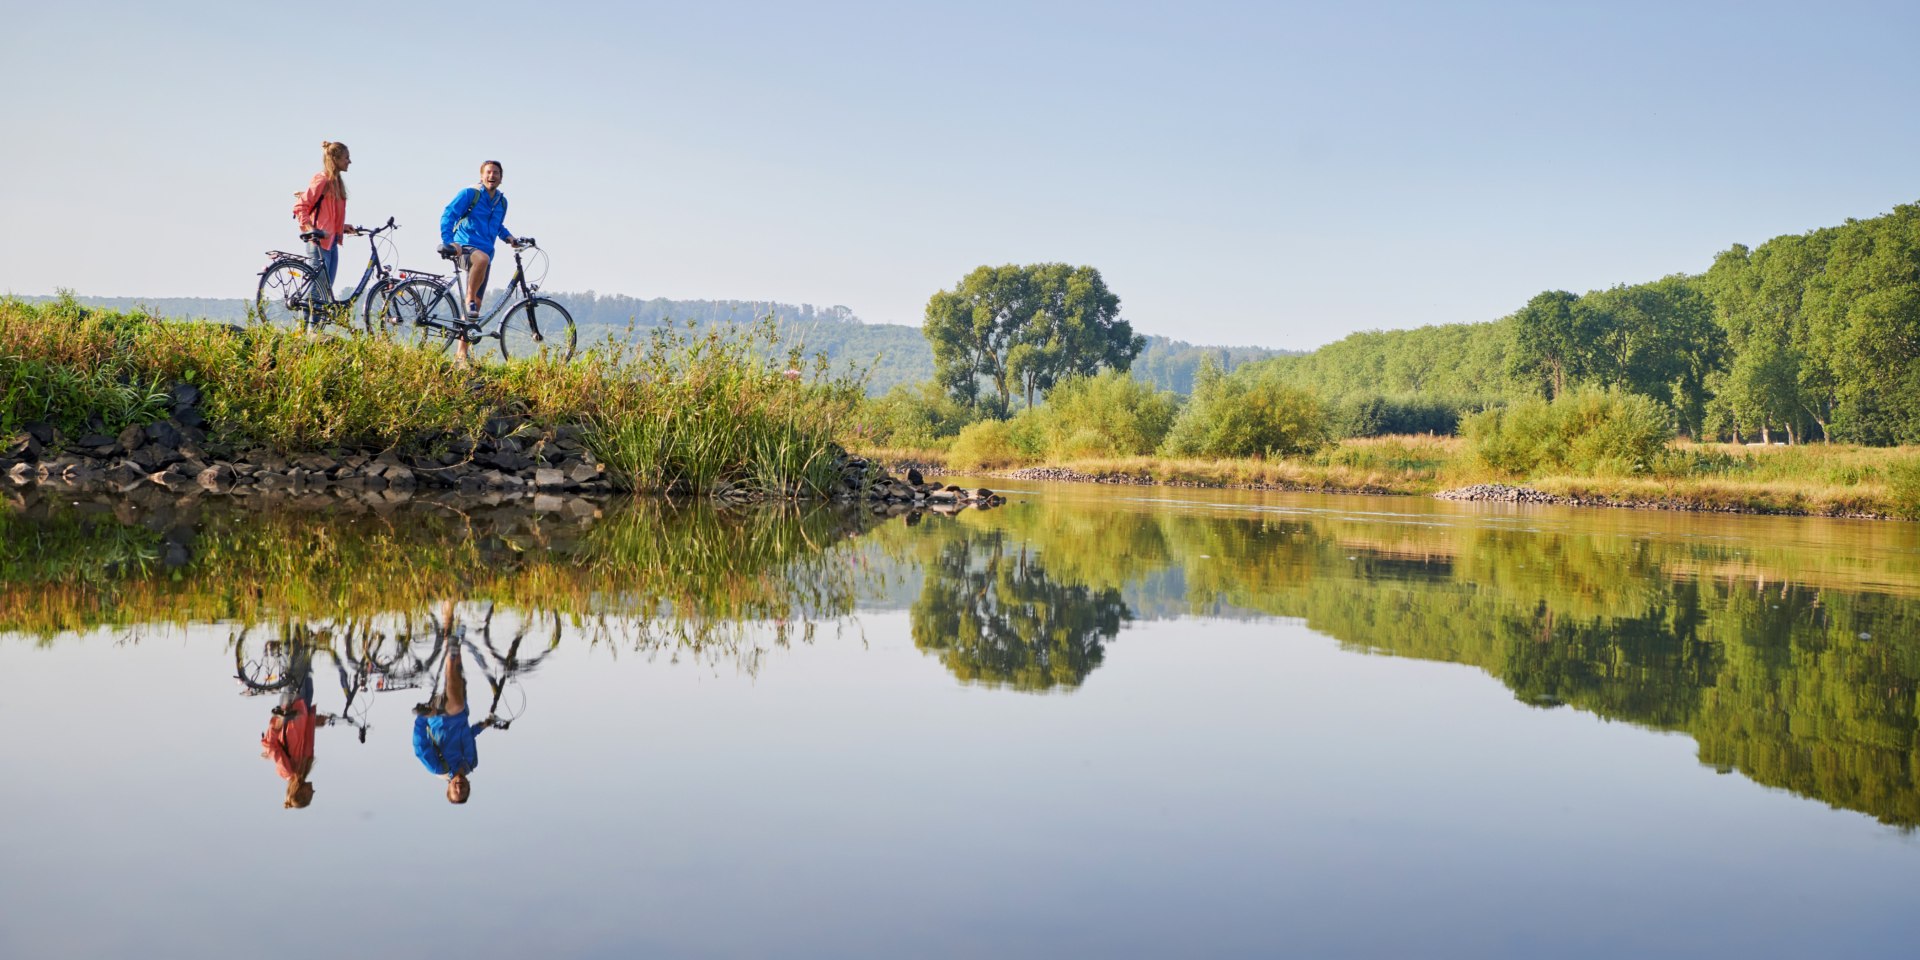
(442, 737)
(469, 225)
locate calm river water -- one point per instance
(1111, 722)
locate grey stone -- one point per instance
(23, 446)
(164, 434)
(154, 456)
(548, 478)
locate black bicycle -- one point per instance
(536, 635)
(280, 663)
(430, 311)
(290, 297)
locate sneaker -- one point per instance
(473, 310)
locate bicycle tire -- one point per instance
(396, 309)
(515, 339)
(378, 302)
(284, 298)
(438, 316)
(271, 670)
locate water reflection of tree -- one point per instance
(993, 615)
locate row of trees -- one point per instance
(1814, 336)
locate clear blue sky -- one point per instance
(1273, 174)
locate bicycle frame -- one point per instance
(322, 295)
(516, 291)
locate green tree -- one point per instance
(1553, 342)
(1022, 328)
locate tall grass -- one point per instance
(687, 413)
(674, 413)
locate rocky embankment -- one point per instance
(1502, 493)
(862, 479)
(512, 456)
(1146, 480)
(1508, 493)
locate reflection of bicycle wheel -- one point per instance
(513, 701)
(285, 297)
(269, 668)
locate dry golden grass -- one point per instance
(1812, 479)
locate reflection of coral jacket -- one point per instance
(288, 741)
(445, 744)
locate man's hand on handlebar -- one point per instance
(521, 243)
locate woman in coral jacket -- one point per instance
(322, 207)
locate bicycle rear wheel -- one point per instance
(437, 315)
(285, 298)
(534, 327)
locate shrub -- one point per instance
(1377, 416)
(1903, 488)
(1246, 413)
(920, 415)
(985, 445)
(1588, 431)
(1107, 415)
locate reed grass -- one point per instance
(675, 413)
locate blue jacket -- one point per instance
(481, 220)
(445, 744)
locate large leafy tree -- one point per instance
(1022, 328)
(1553, 342)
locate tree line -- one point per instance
(1811, 336)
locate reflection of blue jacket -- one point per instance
(445, 743)
(480, 219)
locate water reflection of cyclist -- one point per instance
(288, 741)
(442, 737)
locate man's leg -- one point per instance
(456, 697)
(477, 265)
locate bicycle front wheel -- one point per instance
(285, 297)
(536, 327)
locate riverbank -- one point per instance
(1828, 480)
(105, 397)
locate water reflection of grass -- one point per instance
(69, 567)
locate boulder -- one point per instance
(23, 446)
(132, 438)
(164, 434)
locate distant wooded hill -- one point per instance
(891, 353)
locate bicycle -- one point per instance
(502, 669)
(430, 310)
(289, 297)
(282, 662)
